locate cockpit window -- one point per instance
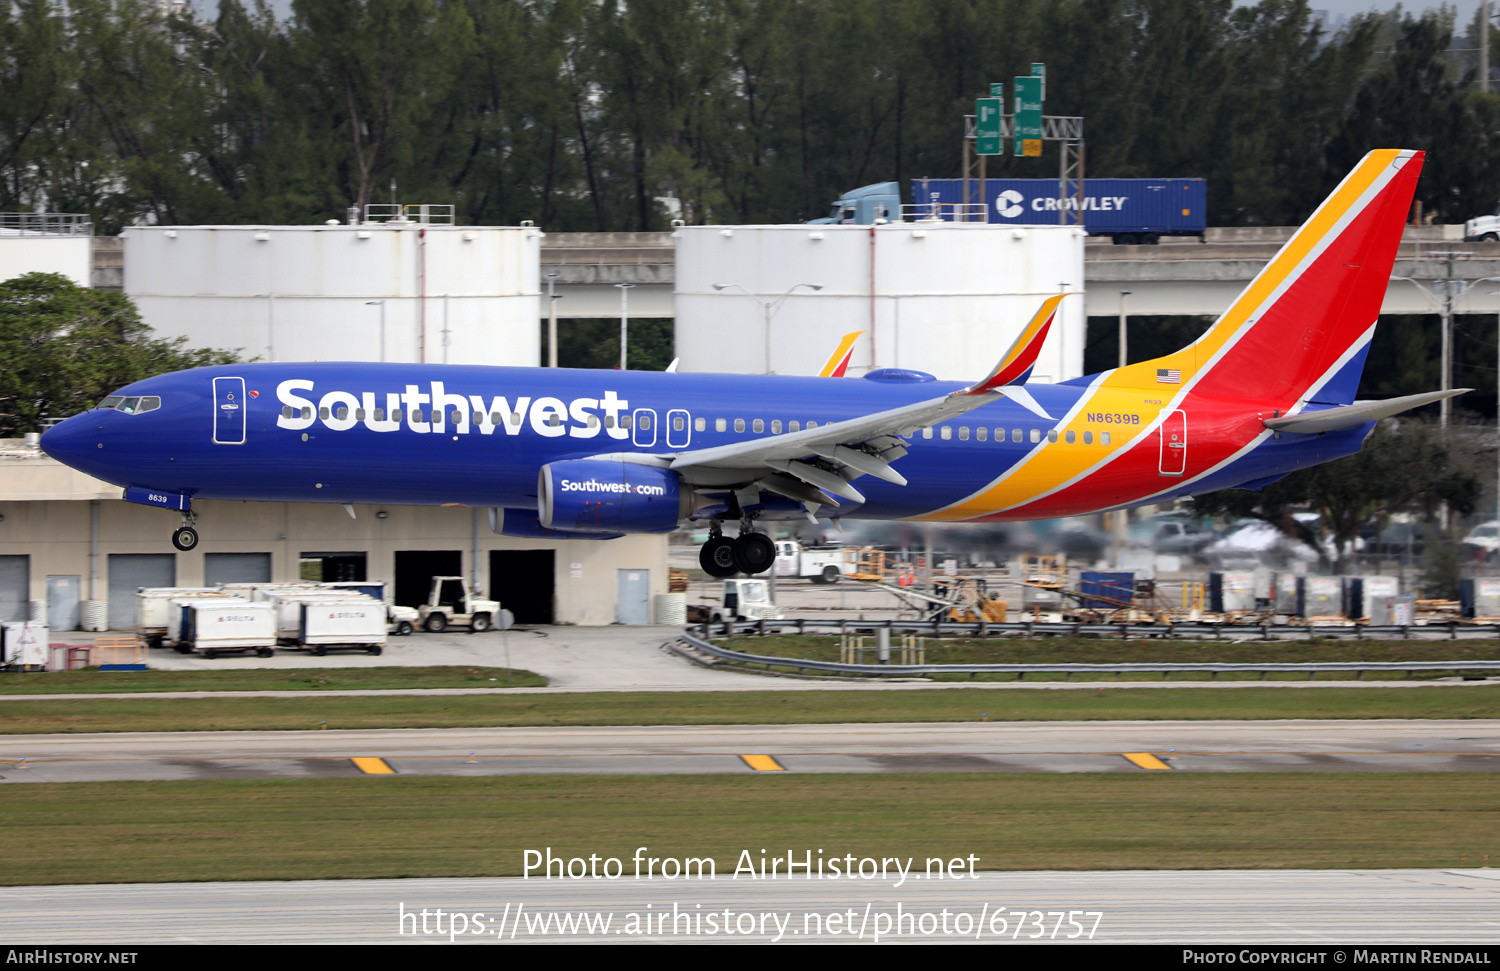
(131, 405)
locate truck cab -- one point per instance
(864, 206)
(746, 599)
(451, 603)
(1483, 229)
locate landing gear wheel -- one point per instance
(717, 557)
(436, 623)
(481, 623)
(185, 539)
(264, 652)
(754, 553)
(404, 628)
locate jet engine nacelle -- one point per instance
(603, 496)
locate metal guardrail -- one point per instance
(803, 665)
(45, 224)
(983, 629)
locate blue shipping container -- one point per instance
(1111, 207)
(1118, 589)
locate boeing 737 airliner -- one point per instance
(596, 454)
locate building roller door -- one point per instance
(129, 572)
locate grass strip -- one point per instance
(125, 714)
(448, 827)
(94, 681)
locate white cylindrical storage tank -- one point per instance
(369, 292)
(46, 242)
(946, 298)
(671, 609)
(94, 615)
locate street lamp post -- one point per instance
(1448, 288)
(624, 317)
(1123, 295)
(767, 308)
(381, 305)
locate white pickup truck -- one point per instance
(1483, 229)
(747, 599)
(823, 564)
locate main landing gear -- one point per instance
(186, 537)
(749, 553)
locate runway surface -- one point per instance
(1133, 746)
(1362, 908)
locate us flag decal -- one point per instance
(1166, 375)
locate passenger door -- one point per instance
(229, 411)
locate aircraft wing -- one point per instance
(815, 463)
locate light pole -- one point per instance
(551, 321)
(624, 317)
(767, 308)
(381, 305)
(1123, 295)
(1447, 288)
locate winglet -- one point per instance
(838, 363)
(1015, 367)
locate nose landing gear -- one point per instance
(186, 537)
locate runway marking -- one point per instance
(763, 763)
(371, 766)
(1145, 760)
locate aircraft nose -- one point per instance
(74, 441)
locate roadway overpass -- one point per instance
(1179, 276)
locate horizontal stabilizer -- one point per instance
(1350, 416)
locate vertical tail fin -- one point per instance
(838, 361)
(1301, 329)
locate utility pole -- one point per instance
(551, 321)
(1123, 295)
(1484, 46)
(624, 318)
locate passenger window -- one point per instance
(699, 424)
(947, 432)
(678, 423)
(1016, 436)
(1036, 435)
(1104, 438)
(792, 426)
(758, 426)
(645, 423)
(776, 427)
(812, 424)
(380, 414)
(594, 421)
(739, 424)
(286, 411)
(342, 414)
(495, 418)
(359, 414)
(927, 432)
(1070, 436)
(963, 433)
(627, 421)
(609, 421)
(396, 416)
(719, 424)
(323, 413)
(1052, 435)
(553, 421)
(982, 434)
(1088, 438)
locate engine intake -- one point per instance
(602, 496)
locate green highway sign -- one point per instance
(987, 127)
(1027, 125)
(1039, 70)
(997, 90)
